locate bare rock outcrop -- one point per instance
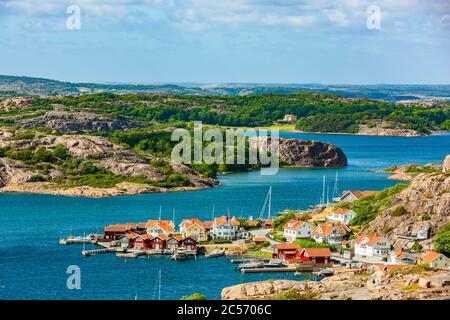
(77, 121)
(303, 153)
(446, 165)
(16, 176)
(349, 285)
(427, 207)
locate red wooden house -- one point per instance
(287, 251)
(315, 255)
(158, 243)
(189, 244)
(141, 242)
(173, 243)
(115, 231)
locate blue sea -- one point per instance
(33, 265)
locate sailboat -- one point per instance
(268, 203)
(335, 196)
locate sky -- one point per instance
(224, 41)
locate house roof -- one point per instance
(117, 228)
(431, 256)
(260, 239)
(371, 240)
(161, 236)
(223, 219)
(342, 211)
(253, 223)
(399, 253)
(288, 246)
(294, 224)
(131, 235)
(165, 225)
(187, 223)
(358, 193)
(207, 224)
(326, 229)
(177, 237)
(317, 252)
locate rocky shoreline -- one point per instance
(350, 284)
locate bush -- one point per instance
(194, 296)
(398, 211)
(426, 217)
(442, 240)
(416, 247)
(36, 178)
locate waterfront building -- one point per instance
(352, 195)
(159, 227)
(372, 247)
(224, 228)
(329, 233)
(342, 215)
(316, 255)
(193, 228)
(115, 231)
(290, 118)
(401, 257)
(435, 260)
(287, 251)
(294, 229)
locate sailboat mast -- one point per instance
(270, 203)
(335, 189)
(323, 191)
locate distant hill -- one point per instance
(11, 86)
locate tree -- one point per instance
(442, 240)
(194, 296)
(417, 247)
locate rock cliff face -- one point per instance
(427, 206)
(303, 153)
(77, 121)
(446, 166)
(347, 285)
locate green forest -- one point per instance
(316, 112)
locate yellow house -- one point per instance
(435, 260)
(193, 228)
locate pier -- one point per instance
(87, 253)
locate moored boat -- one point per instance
(215, 253)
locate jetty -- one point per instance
(87, 253)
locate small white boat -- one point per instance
(180, 254)
(215, 253)
(275, 264)
(127, 255)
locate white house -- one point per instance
(401, 257)
(224, 228)
(342, 215)
(435, 260)
(372, 247)
(329, 234)
(159, 227)
(297, 230)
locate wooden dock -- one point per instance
(87, 253)
(265, 270)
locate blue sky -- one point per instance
(212, 41)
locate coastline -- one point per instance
(121, 189)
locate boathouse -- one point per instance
(287, 251)
(316, 255)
